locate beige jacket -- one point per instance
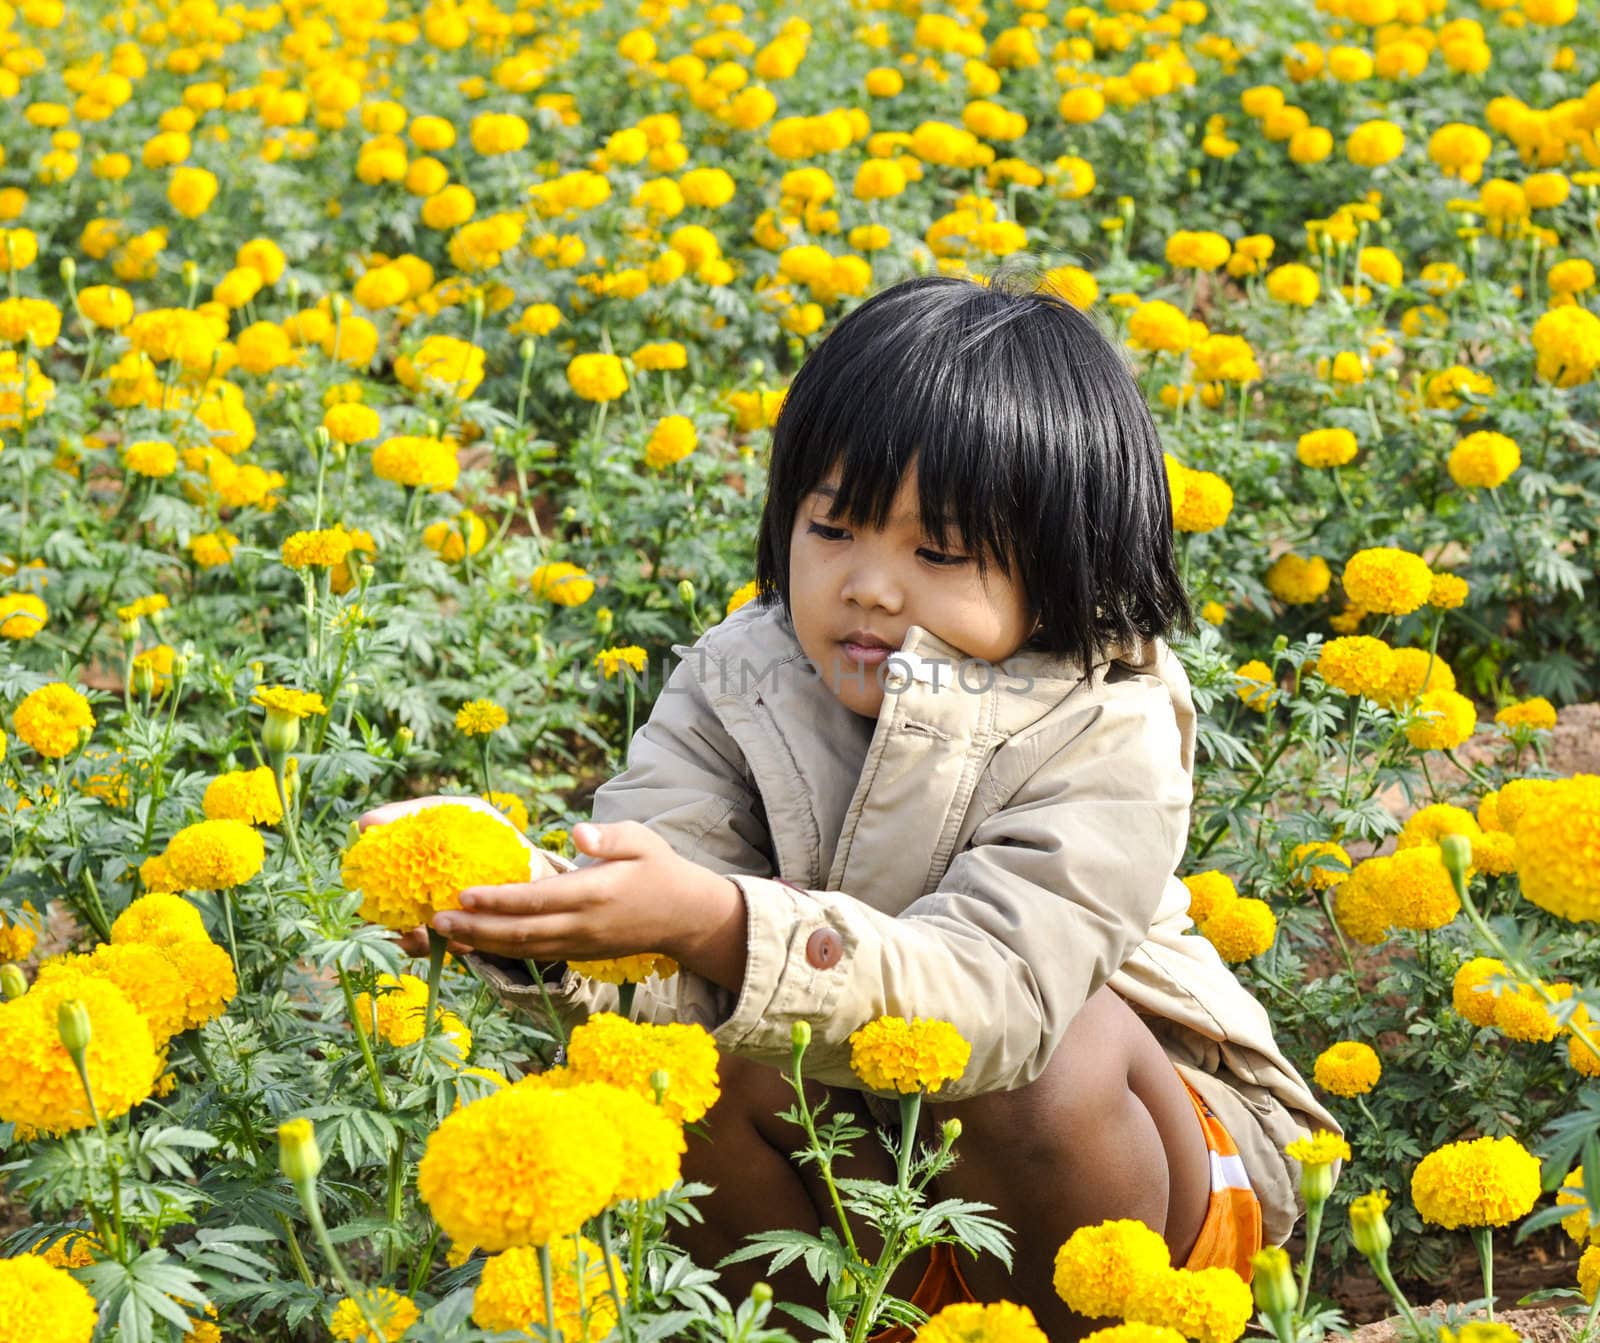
(990, 857)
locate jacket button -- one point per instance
(824, 948)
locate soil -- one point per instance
(1541, 1325)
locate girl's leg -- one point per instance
(757, 1186)
(1107, 1131)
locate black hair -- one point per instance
(1028, 433)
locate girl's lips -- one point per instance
(871, 654)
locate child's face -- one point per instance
(846, 581)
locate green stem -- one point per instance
(397, 1184)
(307, 1190)
(1380, 1270)
(1249, 793)
(1350, 757)
(225, 899)
(1313, 1231)
(547, 1279)
(624, 1322)
(1483, 1237)
(295, 1252)
(824, 1165)
(910, 1109)
(438, 948)
(362, 1039)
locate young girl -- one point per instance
(942, 768)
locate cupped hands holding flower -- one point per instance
(643, 897)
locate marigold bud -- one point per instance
(281, 733)
(686, 592)
(13, 983)
(402, 740)
(365, 573)
(1369, 1228)
(69, 271)
(191, 274)
(604, 620)
(298, 1154)
(951, 1132)
(321, 437)
(129, 629)
(72, 1021)
(1456, 851)
(761, 1294)
(525, 349)
(660, 1080)
(800, 1036)
(1273, 1281)
(144, 678)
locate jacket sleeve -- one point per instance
(687, 781)
(1054, 891)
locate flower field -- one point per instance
(384, 391)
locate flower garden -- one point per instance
(384, 391)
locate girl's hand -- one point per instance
(644, 897)
(415, 942)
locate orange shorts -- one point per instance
(1229, 1236)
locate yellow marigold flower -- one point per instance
(176, 987)
(510, 806)
(745, 593)
(107, 306)
(1206, 502)
(1241, 929)
(1414, 671)
(1519, 1012)
(22, 615)
(1134, 1333)
(350, 422)
(1198, 250)
(1255, 685)
(1494, 854)
(652, 1140)
(1483, 1182)
(1374, 143)
(40, 1087)
(1484, 460)
(1159, 326)
(1326, 447)
(1072, 283)
(480, 717)
(521, 1166)
(248, 795)
(442, 366)
(1295, 581)
(510, 1293)
(1471, 993)
(1348, 1068)
(1578, 1225)
(320, 549)
(417, 462)
(1445, 720)
(151, 458)
(609, 1048)
(453, 539)
(72, 1250)
(1566, 342)
(399, 1013)
(597, 377)
(387, 1308)
(1294, 284)
(1318, 1149)
(1448, 592)
(288, 703)
(191, 190)
(413, 867)
(1536, 713)
(893, 1054)
(1213, 613)
(1208, 1305)
(1557, 843)
(160, 919)
(1100, 1269)
(673, 439)
(40, 1303)
(1356, 664)
(627, 969)
(611, 661)
(16, 938)
(1417, 889)
(215, 855)
(1385, 579)
(972, 1322)
(562, 583)
(1208, 893)
(1433, 822)
(1321, 876)
(1582, 1059)
(54, 720)
(23, 319)
(662, 355)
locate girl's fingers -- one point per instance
(502, 935)
(559, 893)
(393, 811)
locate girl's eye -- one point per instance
(940, 560)
(826, 533)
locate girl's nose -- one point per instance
(873, 585)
